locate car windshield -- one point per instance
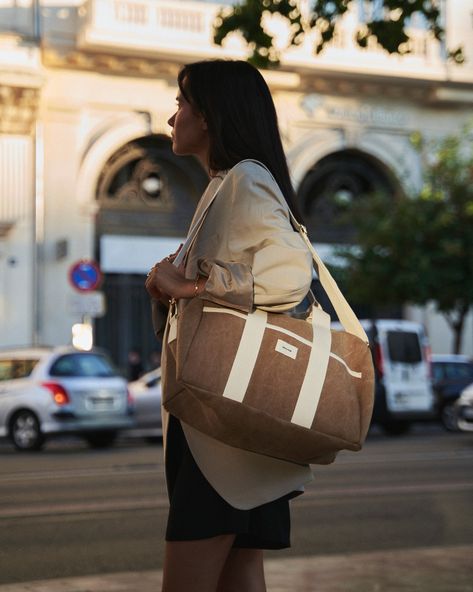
(404, 347)
(12, 369)
(83, 365)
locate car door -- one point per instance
(18, 390)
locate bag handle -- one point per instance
(347, 317)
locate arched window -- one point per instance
(333, 182)
(145, 188)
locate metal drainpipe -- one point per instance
(38, 234)
(37, 33)
(38, 203)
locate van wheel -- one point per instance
(448, 417)
(101, 439)
(25, 431)
(396, 428)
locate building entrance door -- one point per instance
(127, 325)
(146, 194)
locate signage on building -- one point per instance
(315, 105)
(88, 304)
(85, 275)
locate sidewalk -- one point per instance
(435, 569)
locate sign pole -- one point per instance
(85, 277)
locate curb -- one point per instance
(433, 569)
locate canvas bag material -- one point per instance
(269, 383)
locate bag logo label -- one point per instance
(287, 349)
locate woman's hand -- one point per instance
(166, 281)
(151, 284)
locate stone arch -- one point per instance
(100, 147)
(333, 181)
(393, 152)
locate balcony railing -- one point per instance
(151, 26)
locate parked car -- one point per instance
(464, 409)
(45, 392)
(450, 374)
(403, 390)
(146, 394)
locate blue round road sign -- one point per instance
(85, 275)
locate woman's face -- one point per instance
(189, 131)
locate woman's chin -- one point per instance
(178, 150)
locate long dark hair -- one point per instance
(241, 118)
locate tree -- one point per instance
(386, 21)
(418, 249)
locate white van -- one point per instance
(401, 355)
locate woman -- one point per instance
(227, 505)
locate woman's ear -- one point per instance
(204, 123)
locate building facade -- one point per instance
(87, 171)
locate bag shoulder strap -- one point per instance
(194, 230)
(347, 317)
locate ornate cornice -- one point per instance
(18, 109)
(110, 63)
(5, 227)
(350, 86)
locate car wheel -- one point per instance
(448, 418)
(396, 428)
(25, 431)
(101, 439)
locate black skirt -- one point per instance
(197, 511)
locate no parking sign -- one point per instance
(85, 275)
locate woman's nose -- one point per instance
(171, 120)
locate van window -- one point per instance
(11, 369)
(404, 347)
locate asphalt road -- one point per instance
(70, 511)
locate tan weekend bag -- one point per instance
(266, 382)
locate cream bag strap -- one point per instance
(194, 231)
(347, 317)
(345, 314)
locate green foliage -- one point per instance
(246, 18)
(419, 248)
(388, 25)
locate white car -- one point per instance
(464, 409)
(50, 391)
(146, 394)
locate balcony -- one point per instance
(184, 31)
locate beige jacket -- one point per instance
(253, 258)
